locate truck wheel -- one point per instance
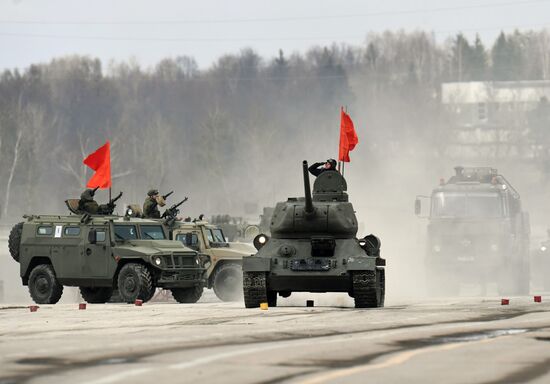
(135, 282)
(187, 295)
(14, 240)
(228, 282)
(366, 289)
(43, 285)
(96, 295)
(255, 290)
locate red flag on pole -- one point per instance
(348, 137)
(100, 162)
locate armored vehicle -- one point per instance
(313, 248)
(477, 233)
(102, 253)
(225, 272)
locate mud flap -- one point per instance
(256, 264)
(361, 263)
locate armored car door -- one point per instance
(96, 257)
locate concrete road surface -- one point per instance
(463, 340)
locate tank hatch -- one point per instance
(330, 186)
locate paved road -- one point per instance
(452, 341)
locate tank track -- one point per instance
(382, 281)
(366, 289)
(254, 289)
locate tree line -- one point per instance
(233, 133)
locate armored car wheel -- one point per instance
(187, 295)
(135, 282)
(367, 289)
(228, 282)
(14, 240)
(43, 285)
(96, 295)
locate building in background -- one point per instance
(498, 119)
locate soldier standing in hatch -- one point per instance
(316, 169)
(150, 206)
(87, 204)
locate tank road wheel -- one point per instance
(14, 241)
(255, 290)
(135, 282)
(187, 295)
(366, 289)
(43, 285)
(96, 295)
(228, 282)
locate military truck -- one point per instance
(224, 275)
(313, 248)
(102, 253)
(477, 233)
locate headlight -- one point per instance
(197, 261)
(494, 247)
(157, 260)
(437, 248)
(260, 241)
(543, 248)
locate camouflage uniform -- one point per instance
(150, 206)
(87, 204)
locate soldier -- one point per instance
(329, 165)
(150, 206)
(87, 204)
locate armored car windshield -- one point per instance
(153, 232)
(467, 205)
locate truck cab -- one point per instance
(477, 232)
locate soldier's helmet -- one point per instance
(332, 163)
(153, 192)
(87, 195)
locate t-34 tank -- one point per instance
(313, 248)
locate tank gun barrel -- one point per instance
(309, 210)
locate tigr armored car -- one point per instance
(103, 253)
(225, 272)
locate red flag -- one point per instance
(348, 137)
(100, 162)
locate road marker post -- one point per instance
(537, 299)
(33, 308)
(264, 306)
(504, 301)
(81, 306)
(138, 302)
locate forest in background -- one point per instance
(232, 134)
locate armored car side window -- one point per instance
(182, 237)
(72, 231)
(100, 235)
(153, 232)
(125, 232)
(45, 230)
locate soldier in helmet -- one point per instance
(317, 168)
(87, 204)
(150, 206)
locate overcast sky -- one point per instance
(33, 31)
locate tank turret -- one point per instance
(313, 248)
